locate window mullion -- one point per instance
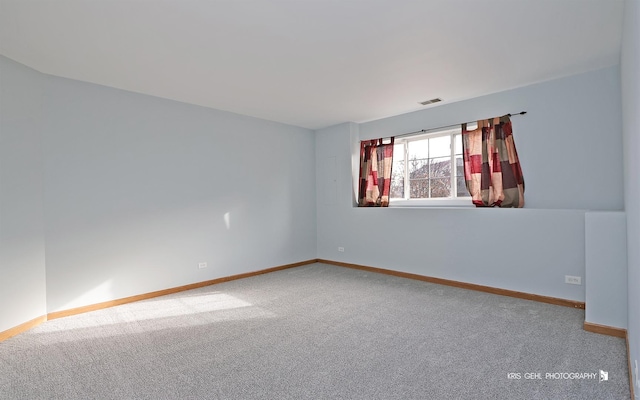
(454, 179)
(429, 177)
(407, 184)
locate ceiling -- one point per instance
(312, 63)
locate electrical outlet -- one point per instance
(202, 265)
(341, 249)
(574, 280)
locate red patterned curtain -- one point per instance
(491, 166)
(375, 173)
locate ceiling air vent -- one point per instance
(427, 102)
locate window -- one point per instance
(428, 170)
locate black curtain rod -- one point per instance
(449, 126)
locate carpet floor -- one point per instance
(317, 332)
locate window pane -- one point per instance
(397, 179)
(419, 149)
(440, 167)
(398, 152)
(458, 140)
(440, 146)
(418, 168)
(419, 188)
(441, 187)
(429, 167)
(459, 166)
(461, 187)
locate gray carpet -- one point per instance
(315, 332)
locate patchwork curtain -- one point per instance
(375, 173)
(491, 167)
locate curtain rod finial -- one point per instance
(520, 113)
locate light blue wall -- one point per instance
(569, 121)
(606, 268)
(136, 191)
(630, 65)
(139, 190)
(22, 262)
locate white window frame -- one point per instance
(431, 202)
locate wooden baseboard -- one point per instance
(22, 327)
(463, 285)
(164, 292)
(604, 329)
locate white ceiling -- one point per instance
(312, 63)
